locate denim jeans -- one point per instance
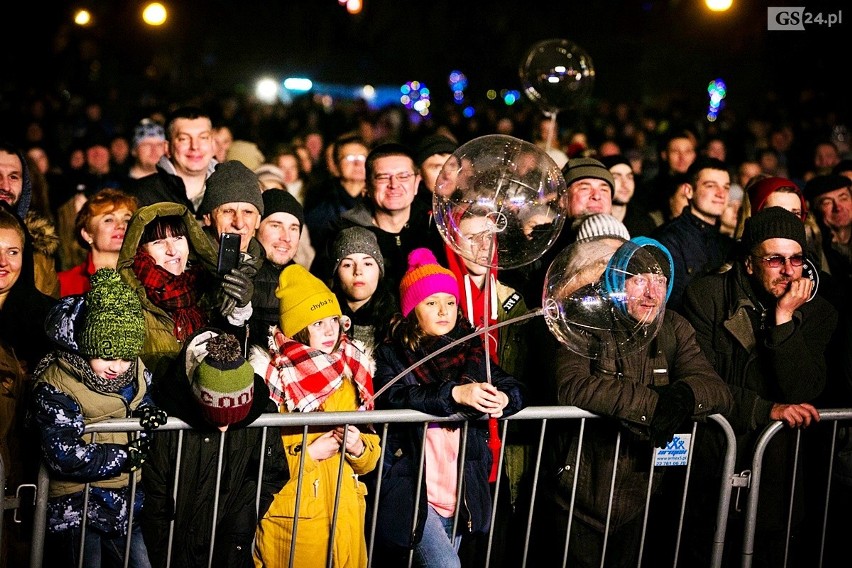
(435, 549)
(100, 550)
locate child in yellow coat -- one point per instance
(311, 366)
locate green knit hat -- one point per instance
(223, 382)
(114, 326)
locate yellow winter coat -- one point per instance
(316, 509)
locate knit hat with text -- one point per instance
(423, 278)
(303, 299)
(223, 381)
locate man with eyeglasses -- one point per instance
(766, 333)
(328, 200)
(400, 223)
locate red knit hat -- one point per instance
(760, 191)
(423, 278)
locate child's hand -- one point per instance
(484, 397)
(324, 447)
(354, 444)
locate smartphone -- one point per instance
(229, 252)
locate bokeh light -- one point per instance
(415, 96)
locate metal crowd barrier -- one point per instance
(544, 417)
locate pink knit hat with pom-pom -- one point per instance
(423, 278)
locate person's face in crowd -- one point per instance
(39, 158)
(235, 217)
(305, 158)
(279, 234)
(191, 146)
(105, 232)
(775, 281)
(625, 184)
(323, 334)
(289, 165)
(394, 183)
(825, 156)
(119, 149)
(149, 151)
(437, 313)
(680, 153)
(170, 253)
(11, 178)
(431, 167)
(11, 258)
(359, 275)
(109, 369)
(608, 148)
(314, 144)
(835, 207)
(77, 159)
(353, 156)
(534, 221)
(222, 140)
(646, 295)
(97, 159)
(589, 195)
(729, 215)
(478, 236)
(789, 201)
(747, 170)
(709, 195)
(716, 149)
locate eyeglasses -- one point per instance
(777, 261)
(401, 177)
(354, 158)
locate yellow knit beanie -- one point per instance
(304, 299)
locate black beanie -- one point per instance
(282, 201)
(773, 223)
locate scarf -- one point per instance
(461, 363)
(177, 295)
(472, 299)
(307, 377)
(85, 374)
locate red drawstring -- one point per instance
(494, 446)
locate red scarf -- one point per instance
(303, 378)
(177, 295)
(472, 298)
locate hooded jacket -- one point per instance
(166, 186)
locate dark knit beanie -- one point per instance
(431, 145)
(114, 326)
(773, 223)
(357, 240)
(223, 382)
(231, 182)
(615, 159)
(282, 201)
(823, 184)
(582, 168)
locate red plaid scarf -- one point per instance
(307, 377)
(177, 295)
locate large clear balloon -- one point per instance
(604, 297)
(557, 74)
(497, 201)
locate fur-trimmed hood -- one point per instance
(43, 233)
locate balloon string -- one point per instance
(552, 133)
(528, 315)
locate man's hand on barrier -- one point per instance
(675, 404)
(795, 415)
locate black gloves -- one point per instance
(137, 452)
(238, 288)
(150, 417)
(676, 403)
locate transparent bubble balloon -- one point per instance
(497, 201)
(604, 297)
(557, 74)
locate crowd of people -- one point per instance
(115, 302)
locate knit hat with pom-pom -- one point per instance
(423, 278)
(223, 381)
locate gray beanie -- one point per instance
(581, 168)
(231, 182)
(357, 240)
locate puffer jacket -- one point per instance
(621, 391)
(161, 345)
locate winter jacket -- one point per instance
(76, 280)
(697, 248)
(161, 345)
(402, 453)
(317, 499)
(62, 406)
(166, 186)
(265, 304)
(193, 508)
(620, 391)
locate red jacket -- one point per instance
(76, 280)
